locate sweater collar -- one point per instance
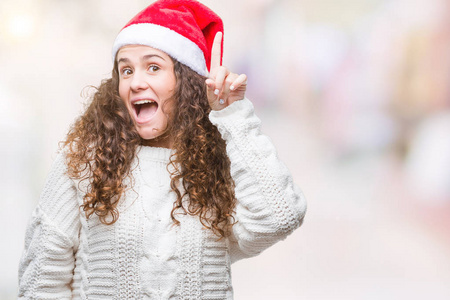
(154, 153)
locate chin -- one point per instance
(149, 134)
(156, 138)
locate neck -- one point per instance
(163, 141)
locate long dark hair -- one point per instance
(101, 146)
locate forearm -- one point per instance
(46, 267)
(270, 206)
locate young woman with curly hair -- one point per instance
(165, 180)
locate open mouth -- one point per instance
(145, 110)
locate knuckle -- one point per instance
(229, 80)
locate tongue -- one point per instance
(146, 111)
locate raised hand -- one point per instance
(223, 87)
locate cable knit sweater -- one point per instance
(143, 255)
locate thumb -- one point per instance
(212, 94)
(210, 88)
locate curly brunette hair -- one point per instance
(102, 143)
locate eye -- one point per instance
(126, 72)
(153, 68)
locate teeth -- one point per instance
(143, 102)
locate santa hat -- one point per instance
(184, 29)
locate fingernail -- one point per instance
(221, 101)
(216, 92)
(232, 87)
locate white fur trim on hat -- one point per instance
(164, 39)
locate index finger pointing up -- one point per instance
(216, 53)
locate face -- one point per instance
(146, 81)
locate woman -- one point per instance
(165, 180)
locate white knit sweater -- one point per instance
(143, 255)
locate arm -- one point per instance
(47, 263)
(270, 206)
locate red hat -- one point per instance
(184, 29)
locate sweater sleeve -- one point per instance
(270, 206)
(51, 240)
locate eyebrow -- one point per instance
(145, 57)
(152, 55)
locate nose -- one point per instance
(138, 82)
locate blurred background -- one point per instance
(355, 94)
